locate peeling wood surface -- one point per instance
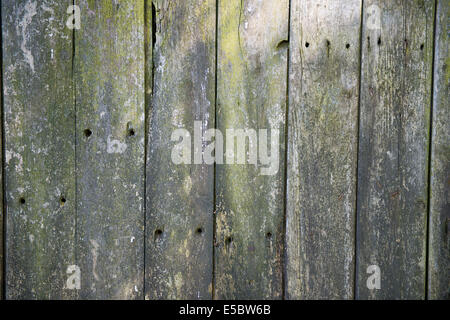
(251, 94)
(393, 149)
(109, 77)
(439, 228)
(179, 229)
(39, 148)
(322, 152)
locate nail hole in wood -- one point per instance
(379, 41)
(307, 44)
(228, 240)
(87, 133)
(62, 200)
(269, 235)
(22, 200)
(199, 231)
(283, 44)
(158, 234)
(422, 46)
(130, 130)
(347, 45)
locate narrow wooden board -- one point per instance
(396, 75)
(251, 94)
(439, 228)
(39, 148)
(148, 49)
(322, 149)
(2, 213)
(110, 133)
(179, 223)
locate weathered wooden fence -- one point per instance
(94, 207)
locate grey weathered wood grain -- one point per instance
(322, 149)
(179, 223)
(393, 154)
(2, 213)
(39, 148)
(251, 94)
(110, 93)
(439, 228)
(148, 48)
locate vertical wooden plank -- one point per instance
(110, 94)
(2, 212)
(179, 229)
(1, 175)
(397, 46)
(39, 148)
(439, 228)
(148, 48)
(322, 149)
(251, 95)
